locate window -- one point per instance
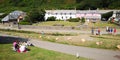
(65, 13)
(62, 17)
(56, 13)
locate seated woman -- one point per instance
(15, 46)
(22, 48)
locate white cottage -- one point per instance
(88, 14)
(61, 14)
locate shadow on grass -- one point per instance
(10, 39)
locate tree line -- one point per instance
(63, 4)
(94, 4)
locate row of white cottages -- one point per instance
(67, 14)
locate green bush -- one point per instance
(106, 16)
(51, 18)
(82, 20)
(74, 20)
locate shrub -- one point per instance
(106, 16)
(51, 18)
(82, 20)
(74, 20)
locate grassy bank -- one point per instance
(35, 53)
(104, 41)
(52, 23)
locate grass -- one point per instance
(52, 23)
(67, 23)
(35, 53)
(103, 24)
(108, 41)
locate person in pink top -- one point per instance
(14, 43)
(114, 31)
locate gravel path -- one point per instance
(55, 30)
(92, 53)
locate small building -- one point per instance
(14, 16)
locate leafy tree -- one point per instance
(106, 16)
(106, 3)
(115, 5)
(36, 15)
(78, 1)
(42, 14)
(88, 4)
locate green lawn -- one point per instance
(35, 53)
(52, 23)
(108, 41)
(103, 24)
(67, 23)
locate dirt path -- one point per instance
(92, 53)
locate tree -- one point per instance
(36, 15)
(106, 16)
(42, 14)
(88, 4)
(115, 5)
(78, 1)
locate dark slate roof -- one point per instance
(13, 15)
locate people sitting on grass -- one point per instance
(20, 46)
(15, 45)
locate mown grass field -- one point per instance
(6, 53)
(52, 23)
(67, 23)
(108, 41)
(103, 24)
